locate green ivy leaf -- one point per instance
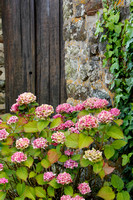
(22, 173)
(50, 191)
(40, 192)
(84, 141)
(31, 127)
(42, 124)
(72, 141)
(30, 192)
(123, 195)
(118, 144)
(106, 193)
(56, 122)
(32, 174)
(39, 179)
(117, 182)
(20, 188)
(108, 151)
(2, 195)
(68, 190)
(63, 158)
(29, 162)
(115, 132)
(54, 184)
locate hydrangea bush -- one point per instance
(72, 154)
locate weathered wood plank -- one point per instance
(18, 30)
(54, 53)
(63, 94)
(42, 51)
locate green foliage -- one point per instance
(118, 35)
(88, 152)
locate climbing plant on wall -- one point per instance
(118, 36)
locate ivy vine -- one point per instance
(118, 35)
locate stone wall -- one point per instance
(2, 72)
(85, 76)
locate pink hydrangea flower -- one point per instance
(58, 137)
(12, 120)
(84, 188)
(39, 143)
(95, 103)
(48, 176)
(68, 124)
(87, 122)
(1, 166)
(58, 115)
(26, 98)
(105, 116)
(115, 112)
(64, 178)
(73, 130)
(18, 157)
(77, 197)
(60, 127)
(63, 108)
(22, 143)
(93, 155)
(69, 152)
(44, 111)
(79, 107)
(3, 180)
(70, 164)
(3, 134)
(66, 197)
(14, 107)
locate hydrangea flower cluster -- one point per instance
(3, 134)
(63, 126)
(58, 137)
(39, 143)
(44, 111)
(70, 164)
(26, 98)
(14, 107)
(66, 197)
(73, 130)
(1, 166)
(77, 198)
(95, 103)
(58, 115)
(115, 112)
(79, 107)
(18, 157)
(1, 121)
(84, 188)
(22, 143)
(87, 122)
(3, 180)
(48, 176)
(64, 108)
(12, 120)
(93, 155)
(64, 178)
(105, 116)
(68, 152)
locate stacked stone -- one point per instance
(85, 76)
(2, 72)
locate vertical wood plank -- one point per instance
(63, 93)
(18, 30)
(54, 53)
(42, 51)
